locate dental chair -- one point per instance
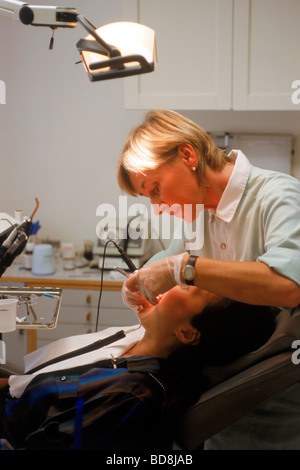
(237, 388)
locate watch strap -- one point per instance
(190, 262)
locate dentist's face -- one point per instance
(171, 188)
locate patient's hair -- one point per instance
(228, 329)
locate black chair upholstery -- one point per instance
(241, 386)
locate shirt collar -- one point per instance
(235, 187)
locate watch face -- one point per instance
(188, 273)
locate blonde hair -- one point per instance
(155, 142)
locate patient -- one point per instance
(128, 386)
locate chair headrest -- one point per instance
(286, 331)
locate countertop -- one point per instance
(78, 278)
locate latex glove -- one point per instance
(149, 282)
(133, 299)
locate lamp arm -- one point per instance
(90, 28)
(59, 17)
(10, 8)
(36, 15)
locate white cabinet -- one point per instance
(218, 54)
(78, 314)
(15, 342)
(266, 54)
(15, 349)
(194, 42)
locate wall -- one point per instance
(61, 135)
(274, 122)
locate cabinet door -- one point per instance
(194, 46)
(266, 54)
(15, 344)
(78, 314)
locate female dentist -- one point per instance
(250, 249)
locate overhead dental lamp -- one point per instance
(112, 51)
(117, 50)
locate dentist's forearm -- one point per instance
(249, 282)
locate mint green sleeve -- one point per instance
(282, 228)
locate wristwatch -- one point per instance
(188, 271)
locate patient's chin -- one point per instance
(143, 312)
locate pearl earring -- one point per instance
(194, 168)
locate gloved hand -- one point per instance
(147, 283)
(132, 298)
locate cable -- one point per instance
(101, 284)
(125, 258)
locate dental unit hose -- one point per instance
(14, 244)
(15, 241)
(121, 271)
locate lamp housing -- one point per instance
(117, 50)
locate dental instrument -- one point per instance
(121, 271)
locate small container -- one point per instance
(43, 262)
(68, 256)
(19, 214)
(28, 256)
(8, 315)
(88, 250)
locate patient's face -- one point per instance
(176, 307)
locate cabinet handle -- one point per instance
(88, 299)
(89, 316)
